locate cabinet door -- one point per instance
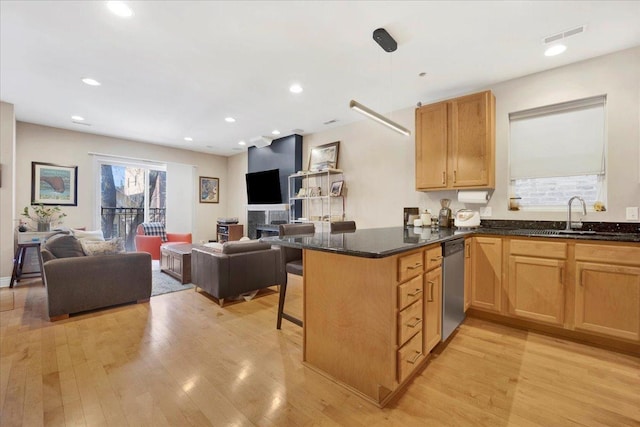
(608, 300)
(536, 289)
(432, 309)
(486, 273)
(431, 146)
(467, 274)
(471, 141)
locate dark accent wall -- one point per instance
(284, 154)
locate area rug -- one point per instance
(163, 284)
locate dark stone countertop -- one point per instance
(369, 243)
(383, 242)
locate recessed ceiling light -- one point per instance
(242, 143)
(188, 138)
(555, 50)
(295, 88)
(91, 82)
(229, 119)
(120, 8)
(275, 132)
(77, 118)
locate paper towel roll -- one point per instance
(479, 197)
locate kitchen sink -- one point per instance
(578, 232)
(533, 232)
(547, 232)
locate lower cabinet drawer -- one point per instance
(410, 292)
(409, 322)
(409, 357)
(410, 266)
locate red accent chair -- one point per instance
(151, 244)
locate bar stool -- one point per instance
(343, 226)
(292, 263)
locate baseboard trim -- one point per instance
(5, 282)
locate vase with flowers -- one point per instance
(44, 216)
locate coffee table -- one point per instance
(175, 260)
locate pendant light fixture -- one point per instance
(356, 106)
(388, 44)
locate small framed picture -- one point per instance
(324, 157)
(209, 190)
(336, 188)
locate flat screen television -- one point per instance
(263, 188)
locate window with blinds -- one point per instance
(558, 151)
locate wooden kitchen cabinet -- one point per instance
(486, 273)
(369, 323)
(432, 309)
(467, 273)
(431, 146)
(537, 280)
(432, 297)
(607, 290)
(455, 143)
(536, 289)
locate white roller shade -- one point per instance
(565, 139)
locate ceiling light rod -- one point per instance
(356, 106)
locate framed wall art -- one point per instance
(336, 188)
(54, 184)
(324, 157)
(209, 190)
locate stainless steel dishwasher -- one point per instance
(452, 286)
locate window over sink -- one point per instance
(558, 151)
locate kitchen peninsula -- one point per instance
(372, 304)
(373, 297)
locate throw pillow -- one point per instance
(214, 245)
(88, 235)
(108, 247)
(244, 246)
(155, 229)
(64, 246)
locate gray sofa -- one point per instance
(76, 282)
(236, 268)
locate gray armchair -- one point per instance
(236, 268)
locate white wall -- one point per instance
(7, 202)
(618, 76)
(380, 169)
(236, 194)
(69, 148)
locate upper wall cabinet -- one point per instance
(455, 143)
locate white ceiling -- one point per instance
(178, 68)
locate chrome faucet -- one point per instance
(569, 226)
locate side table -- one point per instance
(18, 262)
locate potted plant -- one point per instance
(44, 216)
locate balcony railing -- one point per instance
(123, 222)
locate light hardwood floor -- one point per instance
(182, 360)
